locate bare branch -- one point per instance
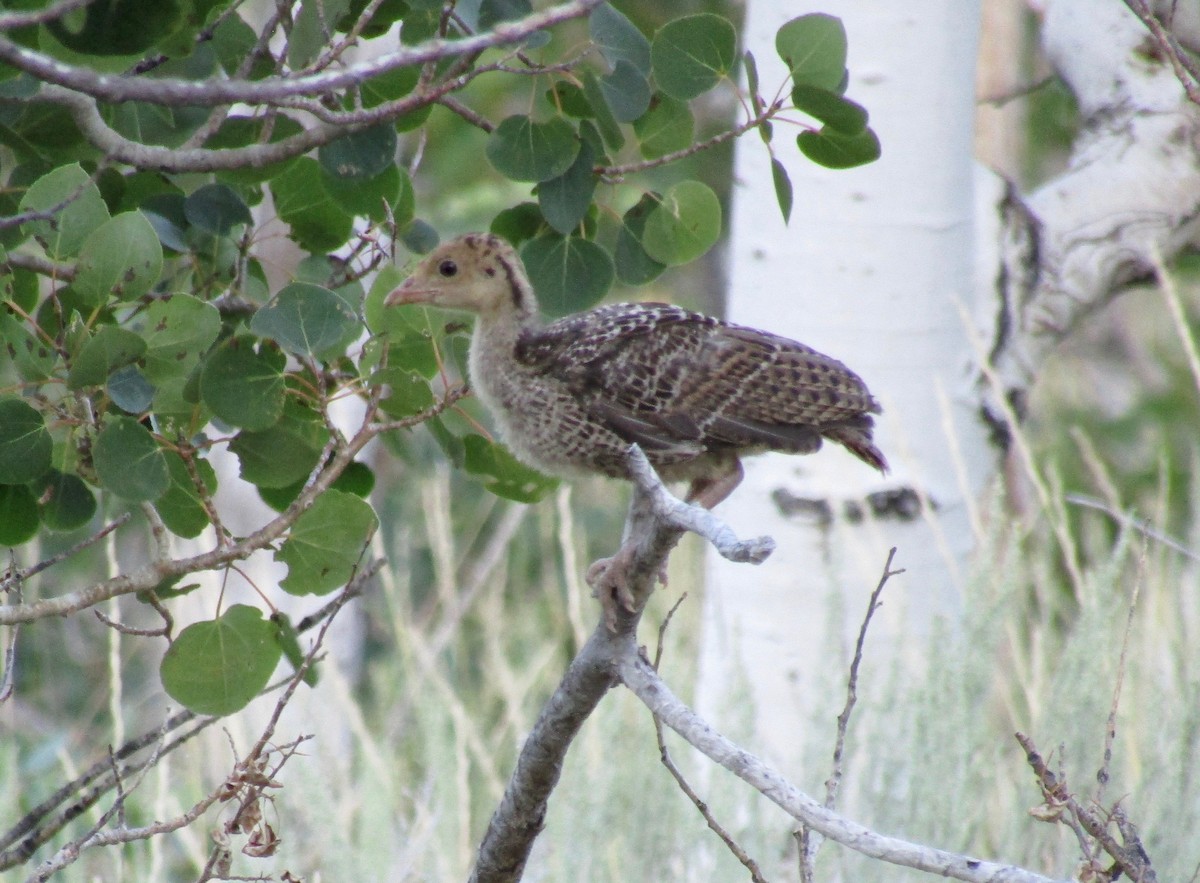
(637, 674)
(15, 577)
(211, 92)
(811, 843)
(1185, 68)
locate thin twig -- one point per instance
(811, 842)
(664, 755)
(1185, 69)
(13, 578)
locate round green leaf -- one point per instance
(243, 387)
(318, 224)
(564, 200)
(568, 273)
(619, 39)
(65, 501)
(666, 127)
(325, 544)
(284, 453)
(111, 348)
(25, 445)
(129, 461)
(684, 225)
(122, 257)
(523, 150)
(80, 210)
(18, 514)
(834, 150)
(130, 390)
(304, 318)
(217, 667)
(814, 49)
(180, 507)
(634, 266)
(176, 330)
(690, 55)
(360, 155)
(216, 209)
(832, 109)
(32, 355)
(519, 222)
(369, 196)
(626, 91)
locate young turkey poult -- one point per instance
(694, 392)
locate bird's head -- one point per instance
(478, 272)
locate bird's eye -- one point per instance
(448, 268)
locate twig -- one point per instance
(1185, 69)
(1131, 858)
(1110, 727)
(664, 755)
(811, 843)
(1141, 525)
(15, 577)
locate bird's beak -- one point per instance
(408, 293)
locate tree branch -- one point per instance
(210, 92)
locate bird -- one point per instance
(696, 393)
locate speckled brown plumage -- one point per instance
(694, 392)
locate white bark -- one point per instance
(878, 268)
(875, 269)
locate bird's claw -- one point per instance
(610, 582)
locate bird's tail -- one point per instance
(856, 438)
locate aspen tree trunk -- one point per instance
(876, 268)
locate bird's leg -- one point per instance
(708, 492)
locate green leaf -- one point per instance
(492, 12)
(241, 131)
(814, 49)
(18, 515)
(303, 203)
(505, 476)
(121, 257)
(129, 461)
(325, 543)
(564, 200)
(111, 348)
(524, 150)
(289, 642)
(626, 92)
(117, 27)
(216, 667)
(305, 319)
(568, 273)
(357, 479)
(216, 209)
(25, 445)
(64, 500)
(520, 222)
(33, 356)
(130, 390)
(570, 100)
(180, 507)
(243, 387)
(177, 330)
(836, 112)
(284, 453)
(619, 39)
(634, 266)
(360, 155)
(692, 54)
(79, 210)
(610, 129)
(684, 225)
(369, 196)
(783, 188)
(832, 149)
(667, 126)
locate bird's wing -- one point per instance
(662, 376)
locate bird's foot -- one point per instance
(610, 579)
